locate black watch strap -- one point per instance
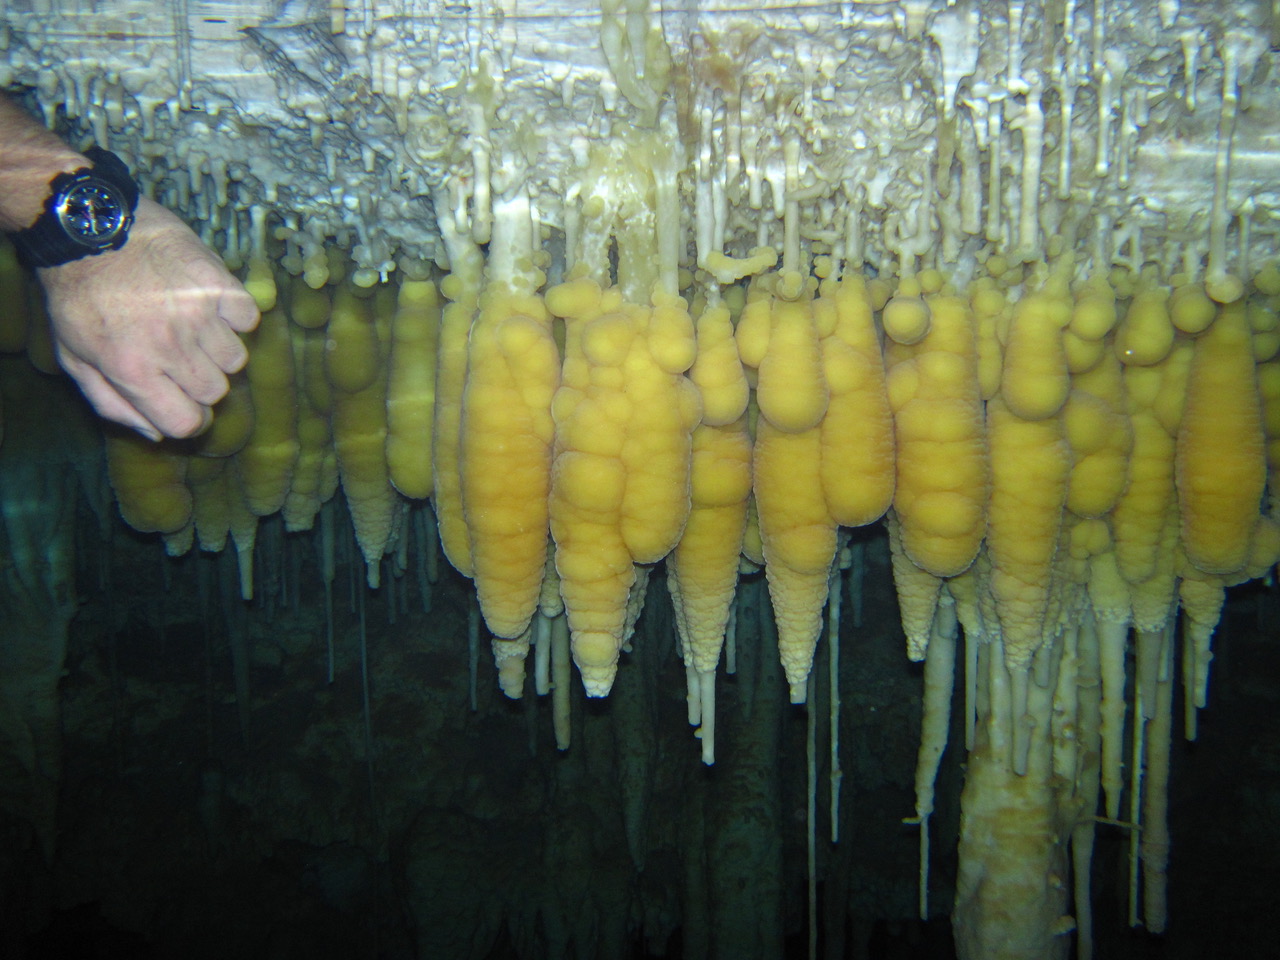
(49, 242)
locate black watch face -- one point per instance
(93, 213)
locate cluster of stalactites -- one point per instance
(1116, 436)
(1127, 434)
(1100, 441)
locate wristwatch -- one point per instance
(88, 211)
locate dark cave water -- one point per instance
(191, 827)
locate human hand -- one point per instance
(148, 331)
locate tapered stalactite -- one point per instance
(233, 616)
(939, 674)
(1087, 780)
(1155, 814)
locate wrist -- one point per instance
(28, 185)
(30, 157)
(87, 212)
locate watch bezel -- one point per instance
(91, 191)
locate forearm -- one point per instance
(30, 157)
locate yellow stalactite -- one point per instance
(446, 434)
(267, 460)
(799, 539)
(704, 564)
(1030, 465)
(917, 591)
(149, 480)
(857, 432)
(232, 422)
(592, 411)
(359, 423)
(1221, 459)
(664, 408)
(941, 492)
(209, 480)
(1034, 384)
(792, 390)
(513, 370)
(1101, 438)
(315, 441)
(411, 388)
(1146, 334)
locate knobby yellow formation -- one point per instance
(857, 431)
(779, 337)
(513, 370)
(232, 422)
(949, 317)
(1034, 381)
(315, 477)
(942, 474)
(267, 460)
(624, 417)
(823, 449)
(1221, 462)
(1269, 391)
(411, 388)
(451, 376)
(357, 371)
(1100, 436)
(207, 477)
(702, 569)
(149, 481)
(1029, 469)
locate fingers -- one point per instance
(168, 407)
(165, 381)
(152, 403)
(222, 308)
(232, 303)
(197, 373)
(226, 350)
(106, 399)
(237, 308)
(192, 346)
(205, 415)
